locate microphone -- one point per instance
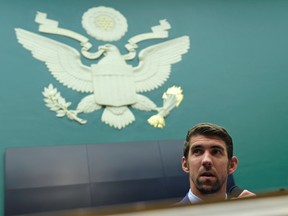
(235, 191)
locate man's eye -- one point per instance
(197, 151)
(217, 152)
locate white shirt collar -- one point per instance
(193, 198)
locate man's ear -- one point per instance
(233, 165)
(185, 166)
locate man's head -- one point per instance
(208, 158)
(209, 130)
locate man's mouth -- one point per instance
(207, 174)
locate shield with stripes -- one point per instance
(113, 84)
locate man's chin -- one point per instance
(208, 191)
(208, 188)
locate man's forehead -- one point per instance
(208, 141)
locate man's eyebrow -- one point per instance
(196, 146)
(218, 147)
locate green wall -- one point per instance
(235, 74)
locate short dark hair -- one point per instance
(209, 130)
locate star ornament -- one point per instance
(104, 23)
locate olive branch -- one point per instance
(55, 102)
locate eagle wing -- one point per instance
(155, 63)
(62, 60)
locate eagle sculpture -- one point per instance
(111, 83)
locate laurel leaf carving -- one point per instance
(55, 102)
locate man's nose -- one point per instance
(207, 160)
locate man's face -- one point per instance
(208, 165)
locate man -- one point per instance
(208, 159)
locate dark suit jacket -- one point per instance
(184, 201)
